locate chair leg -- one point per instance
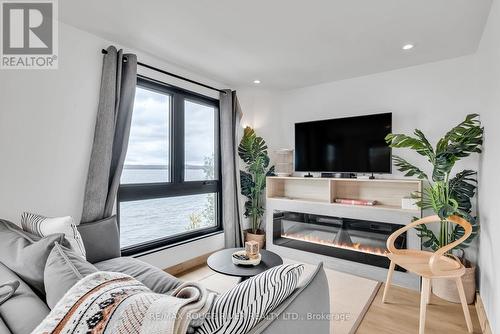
(388, 281)
(463, 300)
(423, 303)
(428, 300)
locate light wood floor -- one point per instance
(400, 315)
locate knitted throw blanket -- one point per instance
(110, 303)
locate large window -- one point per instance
(170, 185)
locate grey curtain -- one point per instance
(114, 115)
(230, 117)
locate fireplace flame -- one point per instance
(357, 247)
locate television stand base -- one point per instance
(308, 175)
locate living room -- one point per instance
(195, 152)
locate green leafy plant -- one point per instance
(444, 194)
(208, 212)
(253, 151)
(195, 221)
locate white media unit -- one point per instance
(316, 196)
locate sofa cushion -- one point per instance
(155, 279)
(239, 309)
(26, 254)
(64, 268)
(43, 226)
(101, 239)
(24, 310)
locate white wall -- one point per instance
(431, 97)
(488, 62)
(47, 120)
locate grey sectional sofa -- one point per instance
(22, 312)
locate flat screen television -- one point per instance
(344, 145)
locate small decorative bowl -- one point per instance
(244, 262)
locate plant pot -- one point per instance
(260, 237)
(447, 288)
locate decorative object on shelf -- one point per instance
(444, 194)
(284, 162)
(348, 201)
(253, 151)
(242, 259)
(252, 249)
(386, 193)
(409, 203)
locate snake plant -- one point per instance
(444, 193)
(253, 151)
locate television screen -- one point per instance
(344, 145)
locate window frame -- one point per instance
(176, 186)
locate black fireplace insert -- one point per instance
(362, 241)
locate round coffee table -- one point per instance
(222, 263)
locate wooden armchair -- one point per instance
(430, 265)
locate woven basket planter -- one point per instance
(260, 237)
(447, 289)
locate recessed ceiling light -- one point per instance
(256, 82)
(408, 46)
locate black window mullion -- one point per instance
(178, 138)
(136, 192)
(177, 185)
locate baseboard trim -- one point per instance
(188, 265)
(481, 314)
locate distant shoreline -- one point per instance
(160, 167)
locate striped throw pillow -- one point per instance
(43, 226)
(238, 310)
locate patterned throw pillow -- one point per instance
(43, 226)
(238, 310)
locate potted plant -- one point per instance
(253, 151)
(445, 194)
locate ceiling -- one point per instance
(286, 43)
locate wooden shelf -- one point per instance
(388, 193)
(349, 206)
(343, 179)
(316, 196)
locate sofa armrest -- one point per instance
(293, 316)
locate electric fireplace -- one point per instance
(349, 239)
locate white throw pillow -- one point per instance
(43, 226)
(238, 310)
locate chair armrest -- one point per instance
(392, 238)
(434, 261)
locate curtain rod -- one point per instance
(174, 75)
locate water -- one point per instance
(146, 220)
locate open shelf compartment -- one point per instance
(388, 193)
